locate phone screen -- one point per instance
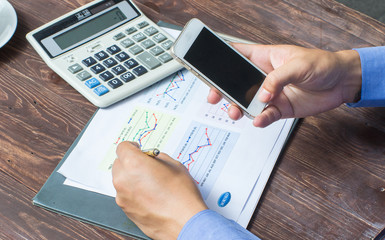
(226, 68)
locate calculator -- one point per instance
(107, 50)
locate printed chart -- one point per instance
(148, 128)
(218, 113)
(204, 151)
(172, 92)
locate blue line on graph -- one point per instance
(190, 158)
(171, 87)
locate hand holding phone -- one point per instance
(220, 66)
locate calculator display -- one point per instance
(85, 25)
(89, 28)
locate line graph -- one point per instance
(174, 85)
(190, 159)
(219, 113)
(146, 127)
(146, 130)
(172, 92)
(204, 152)
(225, 107)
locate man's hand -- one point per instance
(300, 82)
(157, 194)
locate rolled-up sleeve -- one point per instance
(210, 225)
(373, 77)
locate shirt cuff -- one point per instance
(210, 225)
(373, 77)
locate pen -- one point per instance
(152, 152)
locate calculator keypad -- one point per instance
(83, 75)
(98, 68)
(110, 62)
(137, 50)
(118, 70)
(148, 60)
(101, 55)
(122, 56)
(75, 68)
(93, 82)
(126, 77)
(127, 43)
(115, 83)
(89, 61)
(101, 90)
(139, 71)
(113, 49)
(106, 76)
(131, 63)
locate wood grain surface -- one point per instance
(329, 183)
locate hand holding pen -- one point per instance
(154, 192)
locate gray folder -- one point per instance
(86, 206)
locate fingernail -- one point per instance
(264, 95)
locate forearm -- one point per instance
(350, 73)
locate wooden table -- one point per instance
(328, 184)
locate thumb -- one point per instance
(276, 80)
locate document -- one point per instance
(224, 157)
(230, 161)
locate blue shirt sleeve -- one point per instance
(373, 77)
(210, 225)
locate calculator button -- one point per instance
(139, 71)
(101, 55)
(165, 57)
(115, 83)
(148, 60)
(159, 38)
(139, 37)
(142, 24)
(147, 43)
(127, 43)
(130, 30)
(126, 77)
(106, 76)
(156, 51)
(167, 44)
(83, 75)
(93, 82)
(135, 49)
(150, 31)
(122, 56)
(118, 69)
(131, 63)
(75, 68)
(119, 36)
(101, 90)
(89, 61)
(98, 68)
(110, 62)
(113, 49)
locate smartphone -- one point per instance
(219, 65)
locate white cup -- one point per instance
(8, 22)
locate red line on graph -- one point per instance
(191, 160)
(225, 107)
(147, 133)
